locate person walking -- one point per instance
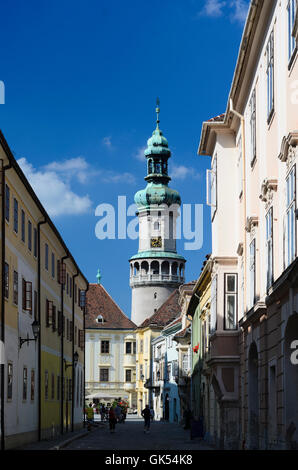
(118, 412)
(152, 413)
(112, 420)
(102, 412)
(146, 415)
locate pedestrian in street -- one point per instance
(102, 412)
(146, 415)
(118, 412)
(152, 413)
(112, 420)
(90, 416)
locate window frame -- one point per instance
(292, 46)
(252, 277)
(25, 383)
(23, 230)
(253, 127)
(233, 294)
(103, 345)
(291, 206)
(269, 248)
(103, 373)
(7, 203)
(29, 235)
(270, 76)
(9, 381)
(15, 215)
(126, 372)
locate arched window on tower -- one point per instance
(149, 167)
(157, 167)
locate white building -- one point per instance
(110, 350)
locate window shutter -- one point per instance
(54, 318)
(81, 339)
(82, 298)
(28, 294)
(49, 312)
(23, 294)
(62, 275)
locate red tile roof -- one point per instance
(220, 117)
(174, 322)
(99, 302)
(166, 313)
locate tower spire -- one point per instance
(157, 112)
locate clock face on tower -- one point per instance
(156, 242)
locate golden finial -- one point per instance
(157, 112)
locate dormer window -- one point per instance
(100, 319)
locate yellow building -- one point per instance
(145, 333)
(41, 286)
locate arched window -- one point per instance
(149, 166)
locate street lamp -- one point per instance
(75, 361)
(142, 377)
(36, 329)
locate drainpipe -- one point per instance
(84, 314)
(3, 169)
(241, 117)
(73, 340)
(39, 318)
(62, 352)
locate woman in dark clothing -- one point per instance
(112, 420)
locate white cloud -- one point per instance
(111, 177)
(73, 167)
(235, 9)
(139, 155)
(182, 172)
(54, 193)
(213, 8)
(107, 142)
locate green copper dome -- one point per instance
(157, 145)
(156, 194)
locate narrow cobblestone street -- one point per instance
(131, 436)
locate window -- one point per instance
(169, 369)
(46, 385)
(67, 281)
(105, 347)
(15, 288)
(141, 371)
(128, 348)
(27, 295)
(104, 375)
(25, 377)
(212, 186)
(70, 287)
(54, 318)
(23, 225)
(35, 242)
(7, 202)
(49, 313)
(46, 256)
(252, 273)
(134, 347)
(230, 301)
(213, 304)
(184, 364)
(6, 280)
(75, 336)
(81, 339)
(29, 236)
(32, 388)
(290, 229)
(15, 215)
(270, 76)
(9, 380)
(291, 19)
(269, 247)
(53, 265)
(53, 387)
(156, 225)
(141, 346)
(253, 153)
(128, 375)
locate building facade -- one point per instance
(110, 350)
(42, 317)
(157, 269)
(254, 320)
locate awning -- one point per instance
(104, 395)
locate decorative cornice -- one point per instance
(267, 188)
(288, 146)
(251, 222)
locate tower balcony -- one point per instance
(140, 279)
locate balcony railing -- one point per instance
(140, 278)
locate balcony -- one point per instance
(155, 278)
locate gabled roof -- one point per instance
(166, 313)
(99, 302)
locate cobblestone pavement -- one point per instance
(130, 436)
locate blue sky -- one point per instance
(81, 80)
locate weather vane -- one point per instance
(157, 112)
